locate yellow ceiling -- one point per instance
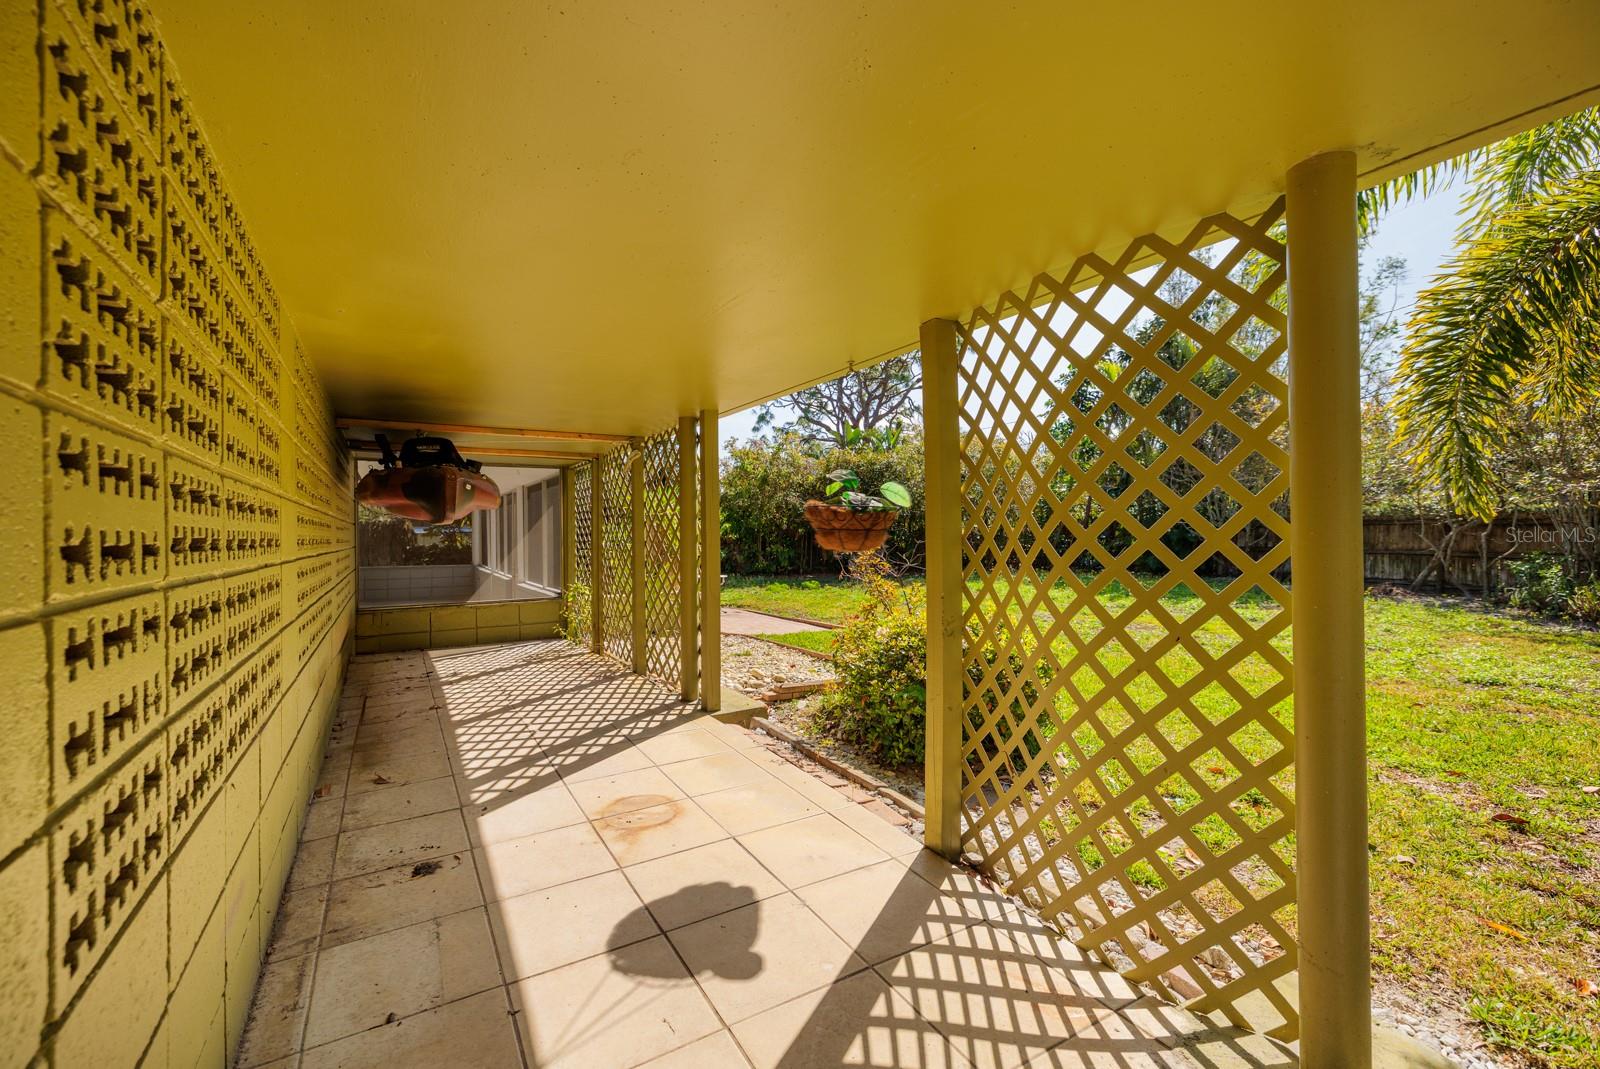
(598, 216)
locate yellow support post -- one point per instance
(1329, 683)
(641, 647)
(597, 570)
(941, 430)
(688, 558)
(569, 549)
(711, 565)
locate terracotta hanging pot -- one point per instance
(847, 530)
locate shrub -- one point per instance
(880, 657)
(1539, 583)
(1583, 604)
(765, 486)
(575, 607)
(384, 539)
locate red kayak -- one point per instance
(430, 482)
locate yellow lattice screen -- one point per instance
(580, 593)
(616, 553)
(660, 534)
(663, 627)
(1127, 736)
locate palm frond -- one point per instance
(1502, 177)
(1376, 201)
(1512, 173)
(1509, 321)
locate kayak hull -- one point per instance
(437, 493)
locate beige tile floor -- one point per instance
(522, 856)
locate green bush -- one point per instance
(385, 539)
(880, 657)
(575, 610)
(765, 486)
(1583, 604)
(1539, 583)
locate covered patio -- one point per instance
(1123, 241)
(524, 855)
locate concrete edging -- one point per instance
(860, 779)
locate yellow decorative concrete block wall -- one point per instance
(176, 587)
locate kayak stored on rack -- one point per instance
(430, 481)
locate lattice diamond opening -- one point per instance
(616, 549)
(580, 596)
(1127, 745)
(662, 586)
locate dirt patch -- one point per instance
(425, 868)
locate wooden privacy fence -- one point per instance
(1404, 549)
(1128, 754)
(634, 590)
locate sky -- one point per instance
(1421, 233)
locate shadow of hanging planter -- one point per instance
(849, 521)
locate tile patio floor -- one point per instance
(522, 855)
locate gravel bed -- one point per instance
(751, 665)
(1433, 1026)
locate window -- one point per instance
(533, 564)
(509, 553)
(552, 533)
(540, 532)
(504, 559)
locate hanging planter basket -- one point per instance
(847, 530)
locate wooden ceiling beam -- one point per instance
(360, 445)
(347, 422)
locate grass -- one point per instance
(815, 641)
(1470, 714)
(826, 600)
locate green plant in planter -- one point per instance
(844, 491)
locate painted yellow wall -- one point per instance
(176, 578)
(420, 627)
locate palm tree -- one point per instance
(1513, 324)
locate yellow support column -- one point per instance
(941, 431)
(641, 647)
(1325, 548)
(597, 570)
(688, 558)
(711, 565)
(569, 528)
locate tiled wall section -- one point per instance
(404, 584)
(393, 586)
(176, 586)
(435, 626)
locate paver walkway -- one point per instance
(524, 856)
(750, 622)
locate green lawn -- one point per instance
(1471, 714)
(825, 600)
